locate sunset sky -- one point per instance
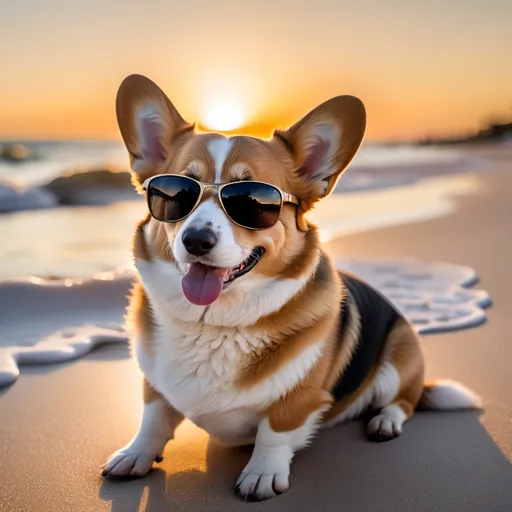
(421, 67)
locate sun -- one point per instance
(223, 114)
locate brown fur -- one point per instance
(297, 254)
(292, 411)
(315, 317)
(346, 347)
(161, 244)
(140, 316)
(347, 111)
(134, 92)
(320, 297)
(155, 247)
(406, 356)
(269, 360)
(140, 247)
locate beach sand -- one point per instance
(59, 422)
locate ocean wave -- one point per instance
(15, 197)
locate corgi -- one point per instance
(239, 320)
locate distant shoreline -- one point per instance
(492, 133)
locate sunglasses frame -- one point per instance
(285, 197)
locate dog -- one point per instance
(239, 320)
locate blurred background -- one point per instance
(435, 78)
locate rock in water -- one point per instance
(95, 187)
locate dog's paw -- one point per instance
(130, 462)
(263, 478)
(386, 425)
(383, 428)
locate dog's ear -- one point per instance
(149, 123)
(323, 143)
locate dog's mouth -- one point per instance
(202, 284)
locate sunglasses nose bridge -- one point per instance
(210, 191)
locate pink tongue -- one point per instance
(202, 284)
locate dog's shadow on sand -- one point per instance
(189, 489)
(442, 461)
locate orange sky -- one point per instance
(436, 67)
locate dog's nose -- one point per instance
(199, 241)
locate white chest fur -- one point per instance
(196, 370)
(196, 367)
(195, 364)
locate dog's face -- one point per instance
(213, 253)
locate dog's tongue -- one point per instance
(202, 284)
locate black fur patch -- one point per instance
(377, 318)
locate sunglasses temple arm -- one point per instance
(290, 198)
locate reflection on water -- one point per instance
(68, 241)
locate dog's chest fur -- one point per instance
(196, 370)
(195, 365)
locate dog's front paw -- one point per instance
(131, 461)
(264, 477)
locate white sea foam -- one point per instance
(15, 197)
(58, 347)
(434, 296)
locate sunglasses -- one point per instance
(249, 204)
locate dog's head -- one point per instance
(210, 250)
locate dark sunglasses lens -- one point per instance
(253, 205)
(170, 198)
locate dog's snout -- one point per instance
(199, 241)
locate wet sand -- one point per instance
(58, 422)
